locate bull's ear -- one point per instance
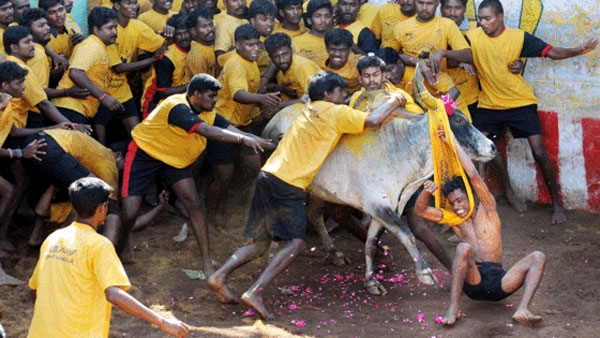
(422, 95)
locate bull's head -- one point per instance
(476, 145)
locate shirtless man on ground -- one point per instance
(477, 267)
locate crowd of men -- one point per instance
(160, 88)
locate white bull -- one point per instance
(377, 172)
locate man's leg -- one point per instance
(185, 189)
(499, 168)
(130, 206)
(217, 282)
(285, 256)
(218, 188)
(540, 155)
(251, 163)
(6, 196)
(528, 273)
(463, 269)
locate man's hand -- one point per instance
(588, 46)
(441, 133)
(60, 62)
(516, 67)
(175, 328)
(428, 73)
(77, 92)
(4, 100)
(32, 149)
(468, 68)
(270, 99)
(76, 38)
(168, 32)
(111, 103)
(435, 62)
(257, 143)
(430, 186)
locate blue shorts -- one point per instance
(522, 121)
(490, 287)
(277, 211)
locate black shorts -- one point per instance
(490, 287)
(277, 211)
(58, 166)
(37, 120)
(105, 115)
(141, 169)
(522, 121)
(74, 116)
(220, 152)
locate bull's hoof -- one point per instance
(337, 258)
(375, 288)
(427, 277)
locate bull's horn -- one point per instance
(422, 95)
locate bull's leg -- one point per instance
(314, 211)
(396, 226)
(372, 285)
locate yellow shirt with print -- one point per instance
(154, 19)
(168, 143)
(349, 71)
(318, 128)
(34, 93)
(75, 267)
(500, 89)
(466, 83)
(224, 32)
(60, 42)
(137, 35)
(298, 76)
(279, 29)
(263, 60)
(388, 16)
(310, 46)
(410, 106)
(91, 57)
(355, 28)
(39, 65)
(367, 13)
(238, 74)
(200, 59)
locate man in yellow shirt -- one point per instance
(167, 143)
(188, 6)
(507, 100)
(290, 14)
(319, 15)
(7, 16)
(70, 22)
(89, 69)
(278, 209)
(340, 59)
(63, 40)
(226, 26)
(201, 58)
(364, 39)
(158, 15)
(79, 276)
(388, 16)
(19, 6)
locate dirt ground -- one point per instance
(315, 299)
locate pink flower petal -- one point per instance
(292, 306)
(249, 313)
(420, 317)
(438, 319)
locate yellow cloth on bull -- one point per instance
(446, 164)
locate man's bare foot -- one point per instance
(217, 284)
(451, 317)
(254, 302)
(516, 203)
(524, 316)
(558, 216)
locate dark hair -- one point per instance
(31, 15)
(45, 4)
(322, 82)
(202, 83)
(4, 2)
(339, 36)
(10, 71)
(494, 5)
(455, 183)
(264, 7)
(100, 16)
(370, 61)
(87, 194)
(246, 32)
(315, 5)
(463, 2)
(276, 41)
(388, 55)
(199, 12)
(12, 36)
(180, 21)
(282, 4)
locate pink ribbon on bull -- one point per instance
(448, 104)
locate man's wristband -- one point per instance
(240, 139)
(10, 152)
(19, 153)
(102, 96)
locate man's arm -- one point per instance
(422, 207)
(258, 144)
(559, 53)
(82, 80)
(129, 304)
(266, 100)
(385, 111)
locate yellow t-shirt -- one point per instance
(136, 35)
(200, 59)
(410, 106)
(167, 143)
(318, 128)
(144, 6)
(263, 60)
(224, 32)
(154, 19)
(71, 24)
(279, 29)
(75, 267)
(367, 13)
(310, 46)
(6, 123)
(32, 96)
(466, 83)
(2, 51)
(59, 42)
(91, 57)
(298, 75)
(98, 159)
(355, 28)
(39, 65)
(349, 71)
(500, 89)
(388, 16)
(413, 37)
(238, 74)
